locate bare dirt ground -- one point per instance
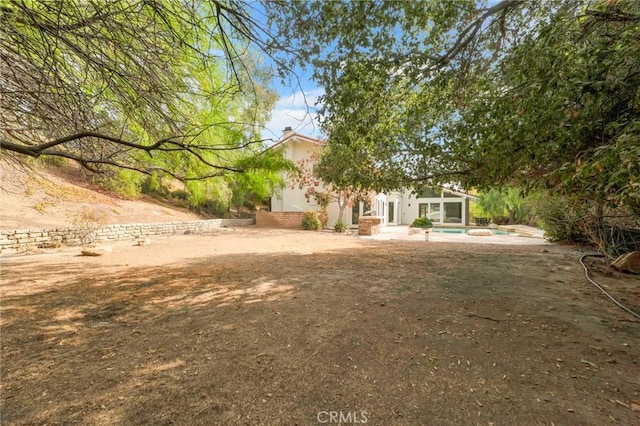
(264, 327)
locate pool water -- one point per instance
(465, 230)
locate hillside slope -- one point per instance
(53, 197)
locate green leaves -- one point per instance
(542, 95)
(159, 87)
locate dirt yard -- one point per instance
(266, 327)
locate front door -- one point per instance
(391, 220)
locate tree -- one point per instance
(570, 123)
(423, 91)
(517, 205)
(310, 176)
(252, 188)
(492, 202)
(396, 73)
(540, 95)
(498, 202)
(167, 87)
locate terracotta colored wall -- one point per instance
(289, 220)
(368, 225)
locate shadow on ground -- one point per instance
(401, 333)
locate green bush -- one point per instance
(561, 220)
(153, 185)
(311, 221)
(179, 194)
(123, 182)
(340, 226)
(422, 222)
(212, 207)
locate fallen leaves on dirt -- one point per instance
(260, 327)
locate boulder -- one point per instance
(96, 251)
(480, 233)
(413, 231)
(629, 262)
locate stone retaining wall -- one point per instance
(22, 240)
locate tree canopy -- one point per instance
(150, 86)
(537, 94)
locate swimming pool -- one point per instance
(465, 230)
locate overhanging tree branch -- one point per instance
(131, 72)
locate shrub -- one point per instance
(311, 222)
(212, 207)
(422, 222)
(124, 182)
(86, 223)
(324, 219)
(179, 194)
(340, 226)
(153, 185)
(561, 220)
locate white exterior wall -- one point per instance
(405, 204)
(410, 208)
(385, 203)
(293, 199)
(276, 202)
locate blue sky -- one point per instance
(296, 106)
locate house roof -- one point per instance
(459, 194)
(290, 136)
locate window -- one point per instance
(453, 212)
(427, 192)
(430, 210)
(392, 211)
(355, 213)
(434, 213)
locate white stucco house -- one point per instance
(443, 206)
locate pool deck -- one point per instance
(526, 235)
(523, 230)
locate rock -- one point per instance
(96, 251)
(480, 233)
(629, 262)
(413, 231)
(144, 242)
(492, 226)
